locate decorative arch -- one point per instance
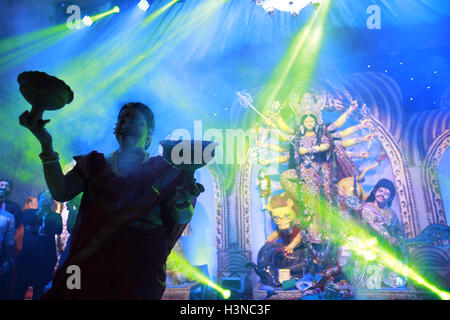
(222, 223)
(433, 198)
(232, 257)
(380, 93)
(383, 98)
(402, 177)
(244, 178)
(422, 131)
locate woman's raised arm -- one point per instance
(62, 187)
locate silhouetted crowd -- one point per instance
(31, 248)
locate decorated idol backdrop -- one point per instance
(261, 176)
(384, 159)
(362, 138)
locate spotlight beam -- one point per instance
(299, 60)
(8, 61)
(351, 235)
(186, 269)
(201, 14)
(17, 41)
(97, 62)
(104, 14)
(161, 47)
(157, 13)
(34, 42)
(116, 77)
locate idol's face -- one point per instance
(283, 217)
(5, 188)
(309, 123)
(131, 129)
(382, 196)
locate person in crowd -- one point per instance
(7, 243)
(36, 262)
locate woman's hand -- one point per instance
(184, 196)
(37, 128)
(272, 237)
(181, 203)
(289, 249)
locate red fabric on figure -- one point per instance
(287, 238)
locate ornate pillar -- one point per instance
(433, 198)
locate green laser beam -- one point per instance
(359, 241)
(15, 42)
(23, 54)
(104, 14)
(299, 60)
(201, 13)
(157, 13)
(97, 62)
(25, 46)
(181, 265)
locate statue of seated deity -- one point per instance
(285, 247)
(283, 214)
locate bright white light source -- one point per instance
(87, 21)
(143, 5)
(292, 6)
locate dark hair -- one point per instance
(318, 129)
(383, 183)
(144, 110)
(44, 196)
(306, 116)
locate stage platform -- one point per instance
(179, 292)
(408, 293)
